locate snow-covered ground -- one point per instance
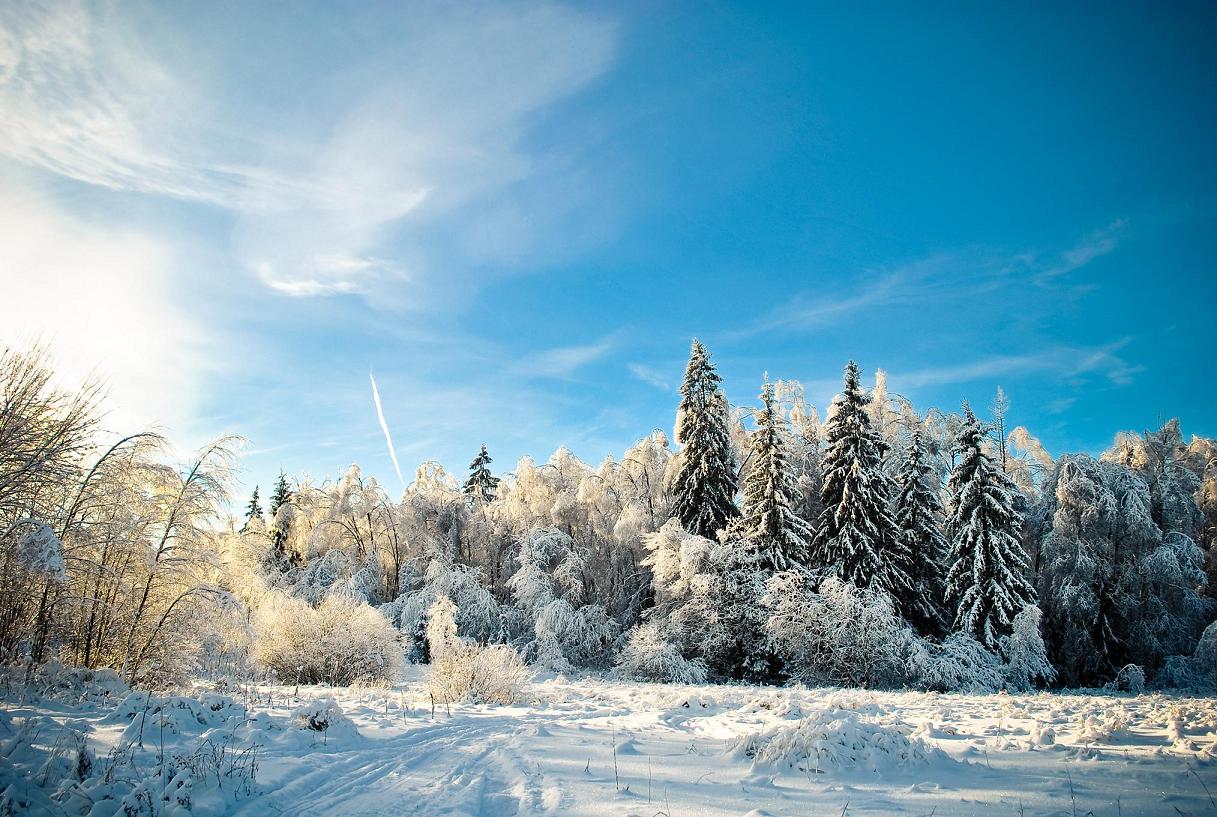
(597, 747)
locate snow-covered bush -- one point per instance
(1026, 656)
(648, 656)
(959, 664)
(833, 740)
(323, 715)
(1130, 678)
(1197, 671)
(481, 675)
(839, 635)
(343, 641)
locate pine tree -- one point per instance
(704, 483)
(280, 522)
(986, 584)
(252, 510)
(481, 485)
(857, 540)
(918, 516)
(778, 535)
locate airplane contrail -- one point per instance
(380, 415)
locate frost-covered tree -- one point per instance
(253, 510)
(562, 631)
(481, 484)
(986, 584)
(838, 634)
(704, 481)
(777, 534)
(856, 539)
(917, 512)
(1027, 664)
(1116, 588)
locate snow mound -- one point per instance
(147, 715)
(325, 717)
(72, 685)
(835, 740)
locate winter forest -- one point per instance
(874, 547)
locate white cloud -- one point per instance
(104, 302)
(430, 118)
(562, 361)
(1067, 362)
(1097, 244)
(650, 376)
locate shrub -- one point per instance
(648, 656)
(481, 675)
(341, 642)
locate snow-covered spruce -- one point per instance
(704, 482)
(481, 484)
(917, 513)
(856, 539)
(986, 584)
(777, 535)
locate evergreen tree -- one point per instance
(481, 484)
(280, 523)
(252, 510)
(704, 483)
(777, 534)
(918, 517)
(857, 540)
(986, 584)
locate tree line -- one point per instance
(876, 546)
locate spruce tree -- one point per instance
(704, 483)
(918, 517)
(777, 534)
(857, 540)
(986, 585)
(252, 510)
(481, 485)
(280, 523)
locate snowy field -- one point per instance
(596, 747)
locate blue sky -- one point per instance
(517, 215)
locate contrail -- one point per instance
(380, 415)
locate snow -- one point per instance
(593, 746)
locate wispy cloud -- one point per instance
(940, 278)
(1097, 244)
(1066, 362)
(562, 361)
(650, 375)
(323, 193)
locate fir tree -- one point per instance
(481, 485)
(918, 517)
(857, 540)
(986, 584)
(252, 510)
(778, 535)
(280, 523)
(704, 483)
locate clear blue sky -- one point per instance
(517, 215)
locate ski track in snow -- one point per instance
(469, 766)
(598, 748)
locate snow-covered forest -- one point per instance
(873, 545)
